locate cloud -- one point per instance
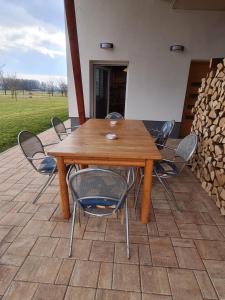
(21, 31)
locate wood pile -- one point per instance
(208, 162)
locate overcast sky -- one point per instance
(32, 38)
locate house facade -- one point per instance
(142, 32)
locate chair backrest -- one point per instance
(114, 116)
(164, 133)
(30, 145)
(98, 184)
(187, 146)
(59, 127)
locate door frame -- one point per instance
(103, 63)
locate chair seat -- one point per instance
(164, 168)
(47, 165)
(98, 202)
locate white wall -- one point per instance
(142, 31)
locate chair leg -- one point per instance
(50, 178)
(127, 230)
(72, 229)
(138, 191)
(168, 190)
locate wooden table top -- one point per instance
(133, 142)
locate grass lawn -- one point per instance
(33, 114)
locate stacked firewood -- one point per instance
(208, 162)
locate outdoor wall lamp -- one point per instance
(177, 48)
(106, 45)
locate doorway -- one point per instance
(109, 85)
(198, 70)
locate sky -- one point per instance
(32, 38)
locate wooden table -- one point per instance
(88, 146)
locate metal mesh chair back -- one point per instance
(59, 127)
(164, 133)
(98, 184)
(30, 143)
(187, 146)
(114, 116)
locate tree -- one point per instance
(62, 87)
(50, 85)
(13, 83)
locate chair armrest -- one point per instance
(174, 161)
(36, 158)
(164, 146)
(54, 143)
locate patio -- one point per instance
(178, 255)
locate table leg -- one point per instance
(146, 198)
(63, 188)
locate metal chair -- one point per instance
(100, 192)
(114, 116)
(166, 168)
(162, 135)
(60, 128)
(33, 150)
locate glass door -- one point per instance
(101, 91)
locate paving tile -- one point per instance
(154, 280)
(4, 230)
(188, 217)
(3, 247)
(65, 272)
(136, 228)
(115, 232)
(38, 228)
(217, 217)
(45, 211)
(96, 224)
(39, 269)
(168, 228)
(94, 236)
(189, 231)
(15, 219)
(155, 297)
(20, 290)
(117, 295)
(222, 230)
(126, 277)
(210, 232)
(63, 230)
(211, 249)
(152, 229)
(105, 276)
(183, 285)
(7, 273)
(81, 249)
(80, 293)
(187, 243)
(14, 232)
(188, 258)
(102, 251)
(144, 255)
(205, 285)
(162, 252)
(50, 292)
(216, 271)
(85, 274)
(44, 246)
(18, 250)
(121, 254)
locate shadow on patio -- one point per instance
(178, 255)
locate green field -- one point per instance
(28, 112)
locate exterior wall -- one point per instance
(142, 31)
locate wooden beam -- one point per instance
(75, 56)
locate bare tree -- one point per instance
(13, 84)
(50, 85)
(62, 87)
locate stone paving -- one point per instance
(179, 255)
